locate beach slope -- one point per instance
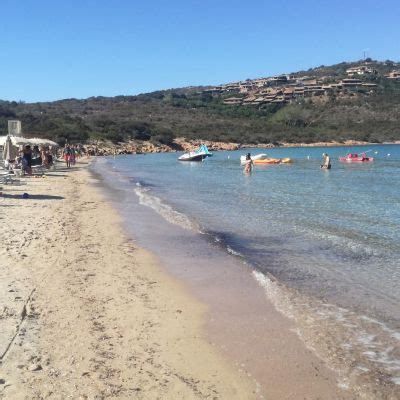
(87, 314)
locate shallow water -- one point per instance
(324, 244)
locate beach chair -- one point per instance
(6, 177)
(38, 170)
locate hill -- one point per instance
(346, 101)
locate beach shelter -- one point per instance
(21, 141)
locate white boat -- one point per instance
(199, 155)
(253, 158)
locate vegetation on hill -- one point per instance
(195, 113)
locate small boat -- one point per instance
(354, 157)
(267, 161)
(199, 155)
(264, 159)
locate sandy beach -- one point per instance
(87, 314)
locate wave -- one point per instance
(364, 352)
(165, 210)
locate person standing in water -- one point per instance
(248, 167)
(326, 161)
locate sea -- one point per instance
(323, 244)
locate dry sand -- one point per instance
(86, 314)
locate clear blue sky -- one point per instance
(54, 49)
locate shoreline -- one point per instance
(87, 314)
(107, 149)
(241, 322)
(92, 314)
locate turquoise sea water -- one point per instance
(324, 244)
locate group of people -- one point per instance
(44, 156)
(248, 166)
(70, 153)
(29, 157)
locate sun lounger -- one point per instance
(6, 177)
(38, 170)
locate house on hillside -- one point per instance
(279, 100)
(328, 89)
(308, 82)
(288, 93)
(246, 87)
(249, 100)
(214, 90)
(231, 87)
(350, 83)
(314, 90)
(280, 79)
(394, 75)
(260, 83)
(298, 91)
(269, 98)
(233, 101)
(360, 70)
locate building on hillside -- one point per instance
(280, 79)
(233, 101)
(214, 90)
(269, 98)
(335, 86)
(298, 91)
(394, 75)
(249, 100)
(314, 90)
(258, 101)
(328, 89)
(308, 82)
(288, 93)
(260, 83)
(230, 87)
(360, 70)
(279, 100)
(371, 87)
(350, 83)
(246, 87)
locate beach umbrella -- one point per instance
(10, 151)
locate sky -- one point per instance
(55, 49)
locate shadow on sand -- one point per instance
(32, 197)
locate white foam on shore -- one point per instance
(357, 347)
(233, 252)
(165, 210)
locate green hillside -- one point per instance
(201, 113)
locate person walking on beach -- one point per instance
(27, 159)
(67, 155)
(326, 161)
(72, 157)
(248, 167)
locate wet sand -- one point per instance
(240, 321)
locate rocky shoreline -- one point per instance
(103, 148)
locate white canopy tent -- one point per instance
(20, 141)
